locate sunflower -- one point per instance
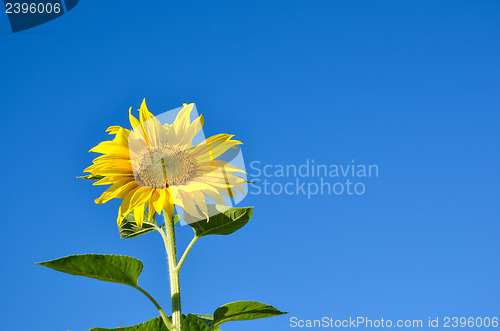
(154, 167)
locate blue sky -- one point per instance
(412, 86)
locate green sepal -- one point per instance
(225, 221)
(91, 177)
(129, 229)
(108, 268)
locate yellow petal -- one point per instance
(139, 215)
(151, 126)
(151, 208)
(122, 137)
(132, 200)
(208, 166)
(140, 196)
(192, 131)
(207, 151)
(182, 121)
(220, 137)
(189, 206)
(144, 113)
(133, 121)
(111, 147)
(125, 205)
(113, 129)
(162, 200)
(117, 190)
(110, 167)
(199, 200)
(111, 179)
(168, 211)
(144, 116)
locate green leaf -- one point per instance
(155, 324)
(206, 319)
(108, 268)
(190, 322)
(129, 229)
(225, 220)
(91, 177)
(193, 322)
(242, 311)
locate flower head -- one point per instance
(155, 166)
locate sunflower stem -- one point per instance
(175, 291)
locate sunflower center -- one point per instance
(161, 167)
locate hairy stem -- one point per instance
(175, 291)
